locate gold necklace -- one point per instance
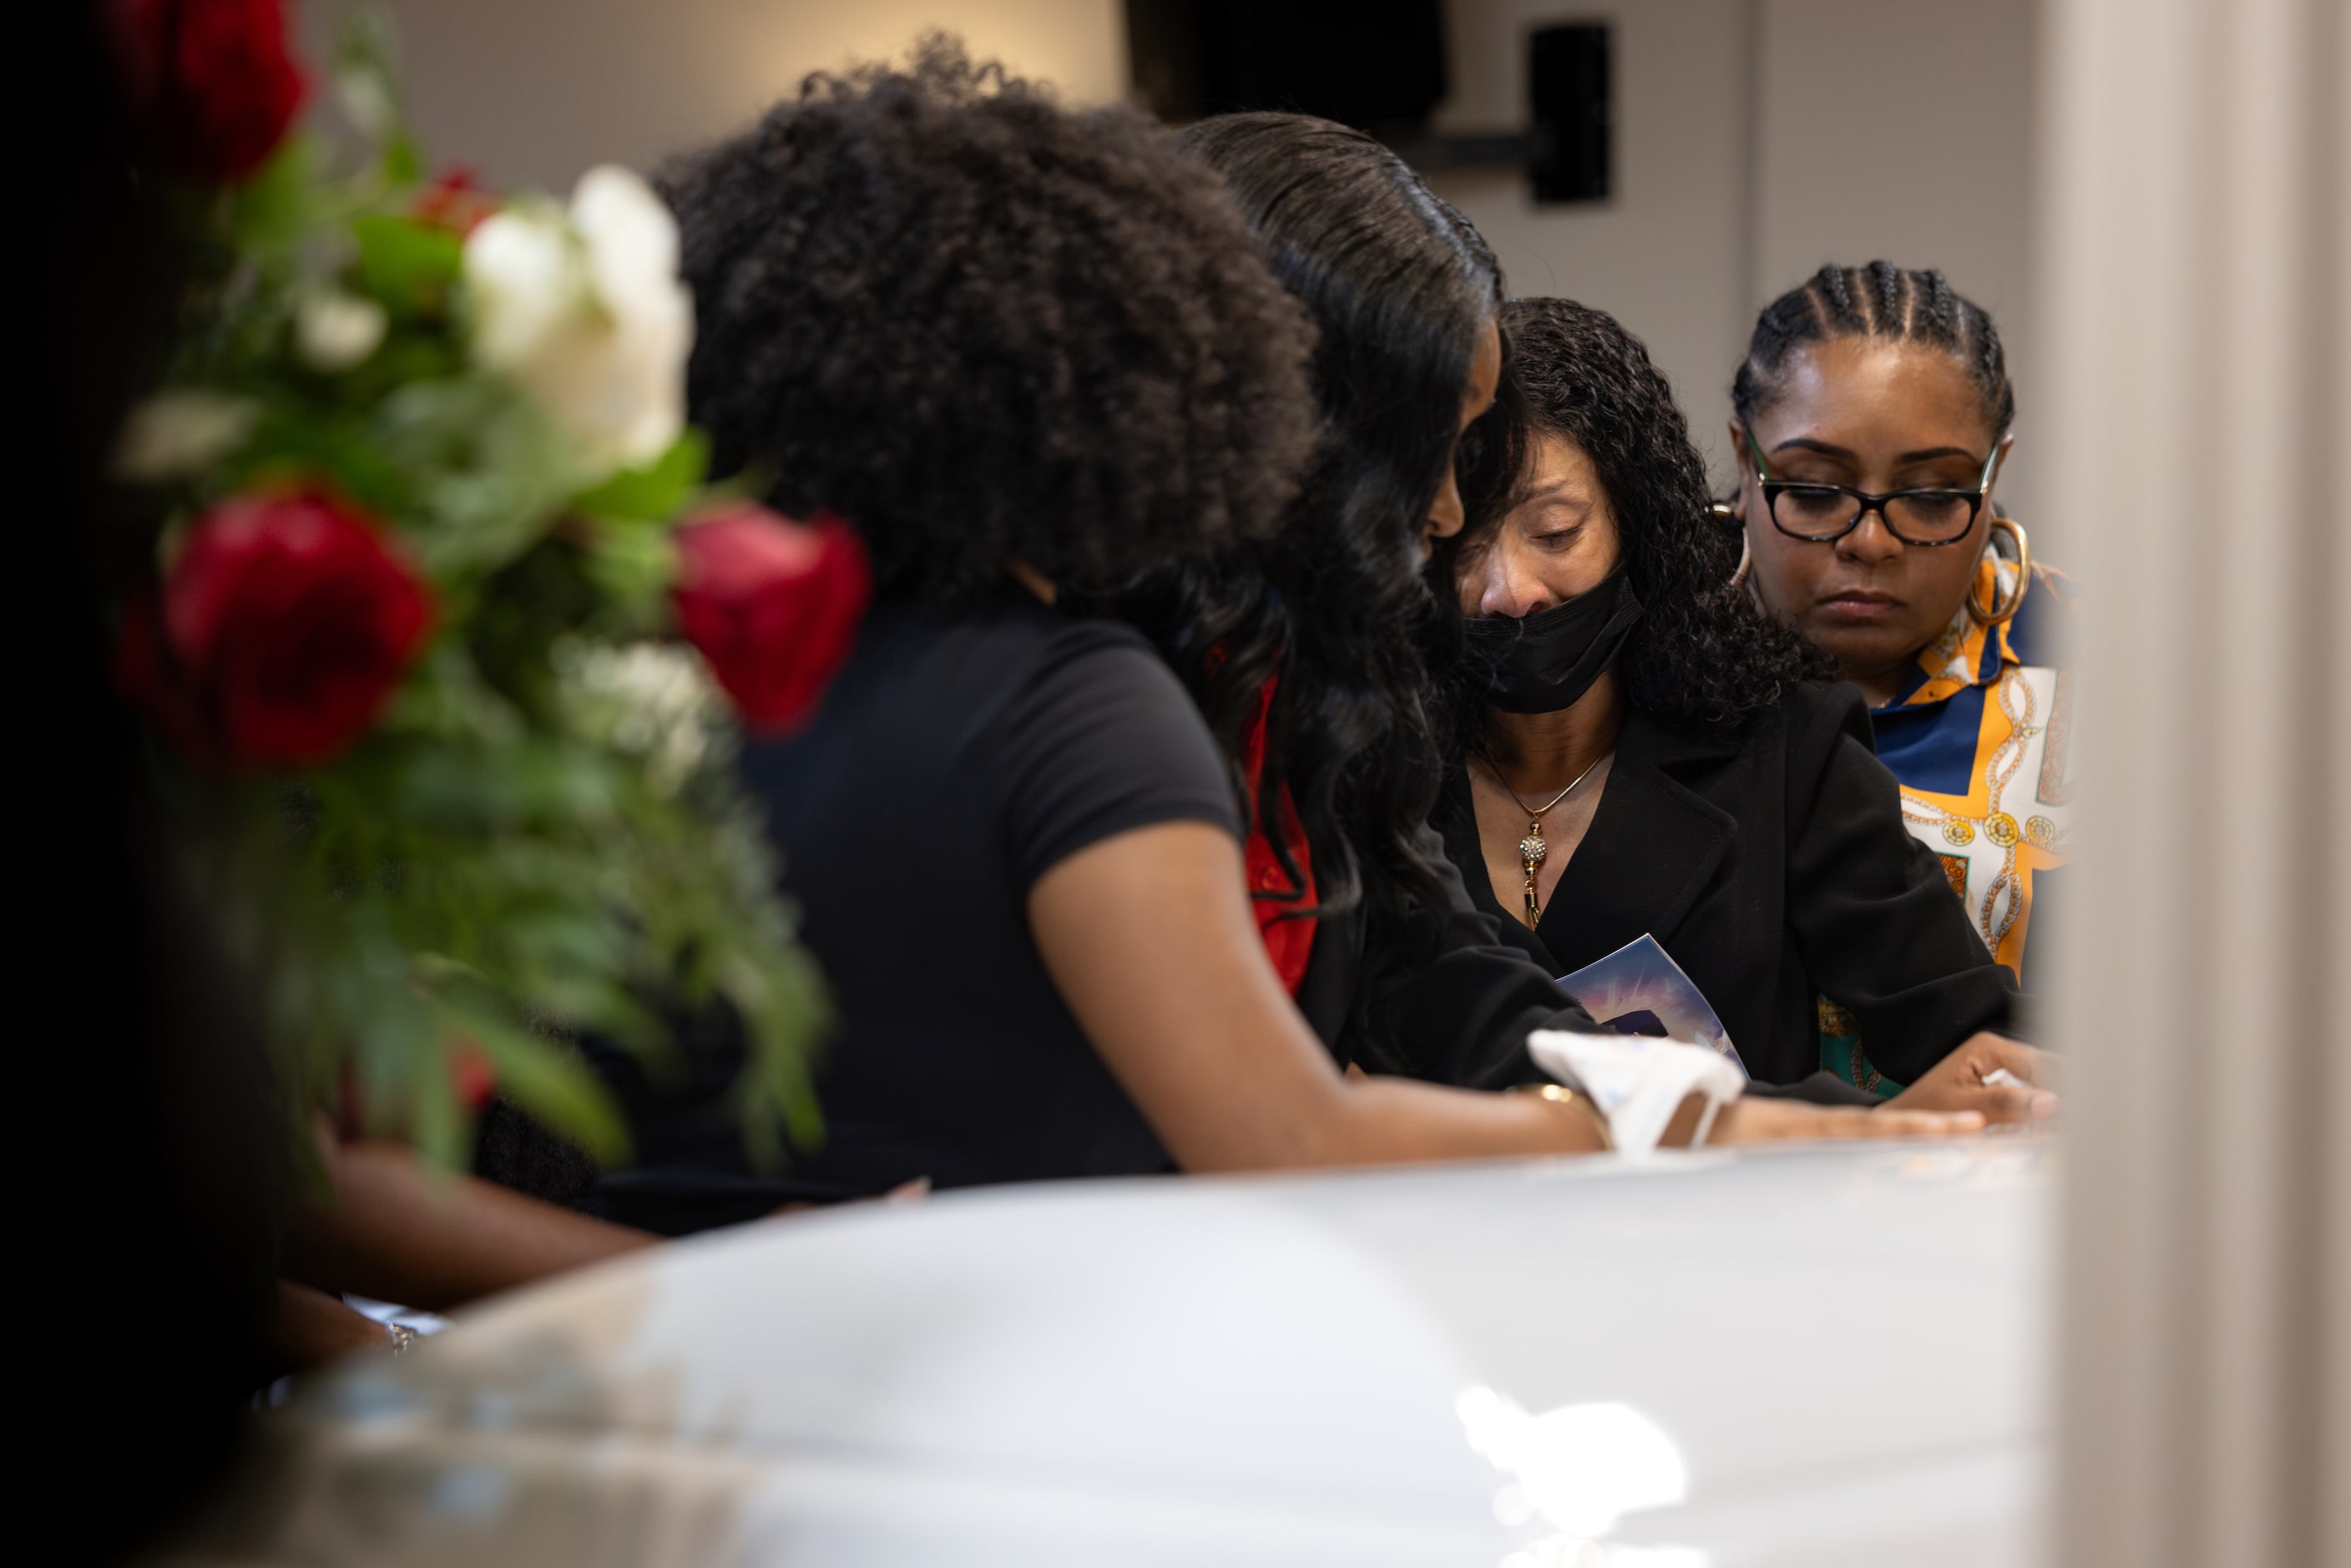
(1531, 849)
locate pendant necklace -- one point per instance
(1531, 849)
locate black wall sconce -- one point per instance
(1570, 94)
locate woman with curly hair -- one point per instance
(1032, 356)
(1640, 751)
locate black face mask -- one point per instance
(1544, 663)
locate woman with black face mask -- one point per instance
(1638, 751)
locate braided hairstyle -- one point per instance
(1884, 301)
(1702, 652)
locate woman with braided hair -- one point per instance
(1872, 417)
(1640, 752)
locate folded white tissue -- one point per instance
(1638, 1081)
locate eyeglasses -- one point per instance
(1821, 514)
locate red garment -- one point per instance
(1289, 943)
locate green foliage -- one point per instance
(406, 266)
(276, 209)
(542, 833)
(655, 492)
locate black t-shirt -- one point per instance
(953, 762)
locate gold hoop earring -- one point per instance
(2000, 613)
(1722, 512)
(1743, 575)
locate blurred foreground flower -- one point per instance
(210, 81)
(180, 433)
(436, 759)
(455, 201)
(334, 330)
(586, 313)
(773, 606)
(652, 700)
(281, 629)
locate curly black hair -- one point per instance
(985, 329)
(1702, 652)
(1399, 286)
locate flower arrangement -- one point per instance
(431, 526)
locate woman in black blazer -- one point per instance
(1639, 751)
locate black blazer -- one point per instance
(1457, 1007)
(1774, 867)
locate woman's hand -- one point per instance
(1753, 1121)
(394, 1228)
(311, 1328)
(1959, 1082)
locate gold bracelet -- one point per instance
(1575, 1100)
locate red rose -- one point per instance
(455, 201)
(281, 629)
(773, 606)
(210, 81)
(472, 1076)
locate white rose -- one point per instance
(175, 434)
(334, 330)
(586, 313)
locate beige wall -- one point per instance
(1903, 129)
(530, 92)
(1665, 255)
(1755, 140)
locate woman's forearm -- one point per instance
(311, 1328)
(1381, 1121)
(396, 1230)
(1149, 937)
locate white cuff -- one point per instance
(1638, 1081)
